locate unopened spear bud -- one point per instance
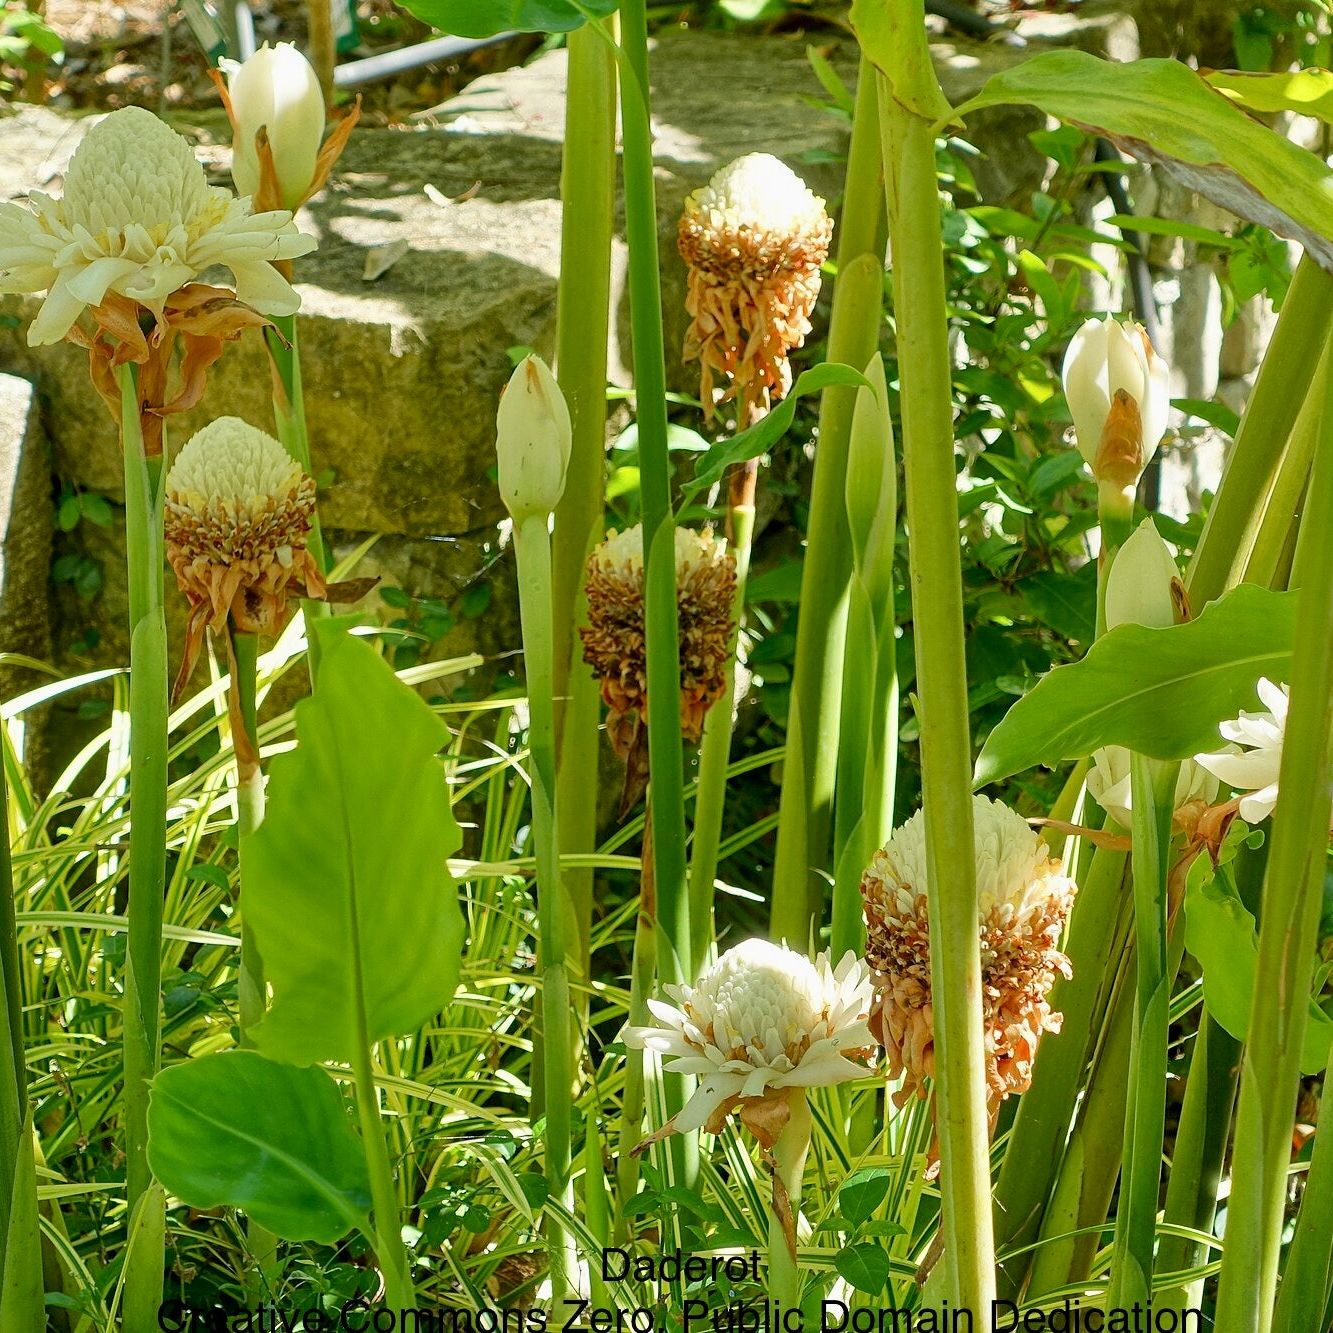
(1119, 394)
(276, 90)
(1144, 586)
(532, 440)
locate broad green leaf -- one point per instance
(1220, 932)
(276, 1141)
(765, 433)
(1307, 92)
(485, 18)
(346, 885)
(866, 1267)
(1161, 111)
(1161, 692)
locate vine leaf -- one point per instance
(346, 884)
(1162, 112)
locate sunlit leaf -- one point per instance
(1161, 111)
(1307, 92)
(346, 884)
(1161, 692)
(485, 18)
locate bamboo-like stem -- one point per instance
(148, 799)
(715, 751)
(533, 547)
(1307, 1279)
(323, 44)
(666, 791)
(1291, 907)
(249, 815)
(284, 353)
(587, 188)
(937, 602)
(1152, 786)
(789, 1154)
(809, 771)
(13, 1074)
(1280, 389)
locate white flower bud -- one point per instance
(276, 90)
(1119, 394)
(533, 440)
(1139, 588)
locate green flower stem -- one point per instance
(1279, 391)
(587, 187)
(148, 802)
(289, 419)
(13, 1077)
(1197, 1157)
(1152, 785)
(665, 748)
(715, 752)
(249, 816)
(1307, 1280)
(809, 770)
(1291, 907)
(789, 1154)
(533, 547)
(937, 601)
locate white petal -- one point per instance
(263, 288)
(709, 1095)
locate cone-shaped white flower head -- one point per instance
(614, 643)
(1119, 394)
(1251, 764)
(139, 219)
(276, 90)
(763, 1018)
(1109, 784)
(532, 440)
(754, 239)
(1144, 586)
(1023, 899)
(238, 514)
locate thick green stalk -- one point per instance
(666, 793)
(289, 419)
(715, 754)
(587, 189)
(1291, 906)
(1153, 785)
(1032, 1158)
(13, 1073)
(937, 605)
(809, 769)
(533, 547)
(789, 1154)
(249, 815)
(1307, 1280)
(148, 797)
(1279, 391)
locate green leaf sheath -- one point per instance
(239, 1130)
(347, 882)
(1160, 692)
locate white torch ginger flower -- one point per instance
(614, 643)
(761, 1020)
(238, 515)
(754, 239)
(1119, 394)
(1252, 762)
(139, 220)
(1023, 900)
(1109, 784)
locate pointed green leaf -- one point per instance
(1161, 111)
(1307, 92)
(346, 883)
(236, 1129)
(485, 18)
(1161, 692)
(22, 1292)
